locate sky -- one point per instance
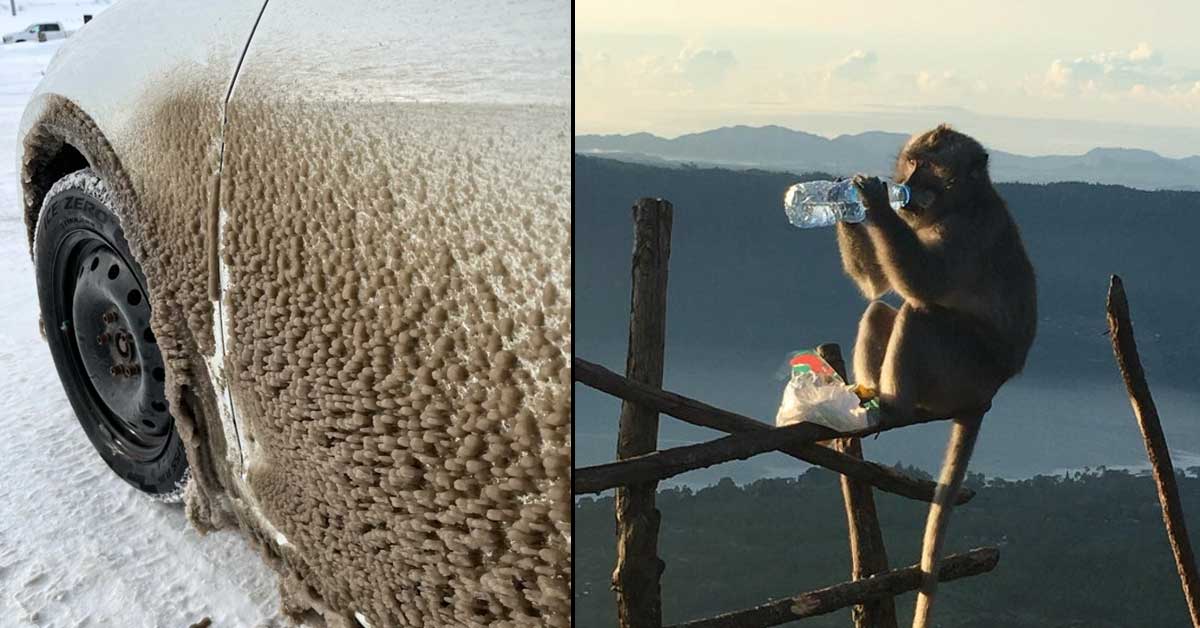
(1024, 76)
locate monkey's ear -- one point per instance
(979, 166)
(940, 135)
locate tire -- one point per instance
(96, 311)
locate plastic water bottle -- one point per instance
(823, 203)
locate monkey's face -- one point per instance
(927, 182)
(942, 169)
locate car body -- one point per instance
(357, 251)
(40, 31)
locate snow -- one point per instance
(79, 547)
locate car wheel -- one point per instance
(96, 312)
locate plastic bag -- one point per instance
(816, 394)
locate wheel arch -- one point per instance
(63, 138)
(48, 162)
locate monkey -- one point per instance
(954, 255)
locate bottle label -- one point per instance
(810, 362)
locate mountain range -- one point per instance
(779, 148)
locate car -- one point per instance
(318, 288)
(41, 31)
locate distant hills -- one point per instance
(1093, 544)
(779, 148)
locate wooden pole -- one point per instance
(830, 599)
(750, 437)
(868, 556)
(636, 576)
(1121, 331)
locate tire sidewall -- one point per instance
(69, 208)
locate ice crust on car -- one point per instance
(399, 297)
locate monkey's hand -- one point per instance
(873, 193)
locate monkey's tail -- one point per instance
(954, 470)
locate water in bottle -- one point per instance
(823, 203)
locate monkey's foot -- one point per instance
(865, 393)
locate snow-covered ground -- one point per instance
(79, 547)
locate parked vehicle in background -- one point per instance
(41, 31)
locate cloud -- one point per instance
(1137, 77)
(691, 70)
(595, 68)
(1144, 53)
(928, 81)
(702, 68)
(857, 66)
(592, 60)
(948, 82)
(1112, 71)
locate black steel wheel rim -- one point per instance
(112, 355)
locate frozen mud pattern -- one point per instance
(399, 300)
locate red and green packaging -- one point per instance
(810, 362)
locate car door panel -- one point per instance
(395, 241)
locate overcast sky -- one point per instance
(1020, 76)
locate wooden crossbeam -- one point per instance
(671, 462)
(750, 437)
(839, 596)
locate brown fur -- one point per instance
(969, 316)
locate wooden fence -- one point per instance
(640, 465)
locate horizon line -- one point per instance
(876, 131)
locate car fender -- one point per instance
(166, 73)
